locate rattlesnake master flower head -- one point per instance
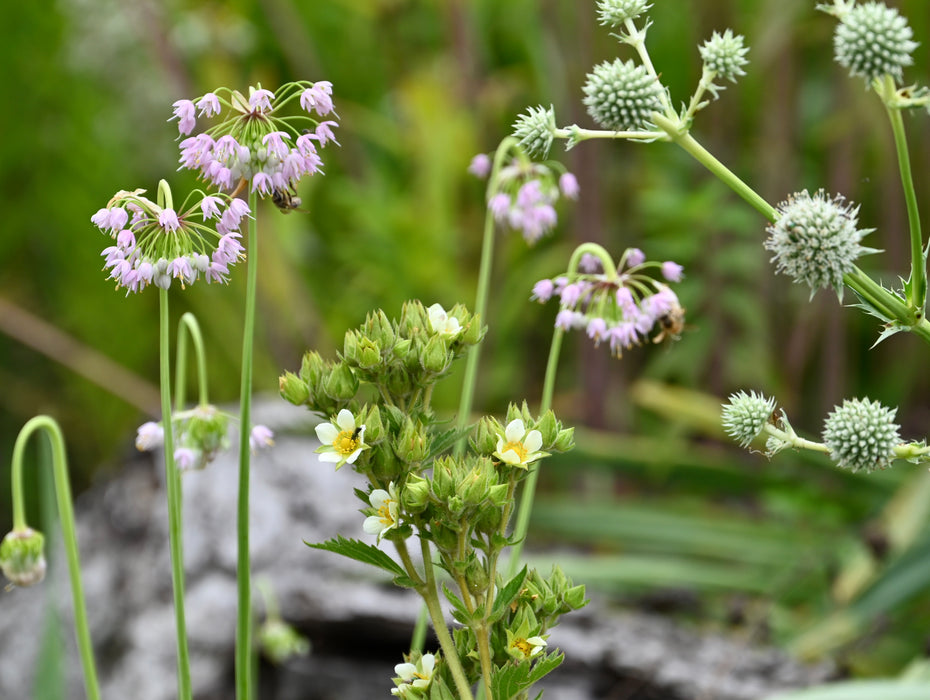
(22, 557)
(815, 240)
(535, 130)
(725, 55)
(269, 139)
(621, 96)
(861, 435)
(159, 244)
(746, 415)
(616, 12)
(873, 40)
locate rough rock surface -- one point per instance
(358, 624)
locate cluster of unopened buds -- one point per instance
(199, 434)
(258, 141)
(622, 306)
(523, 194)
(156, 244)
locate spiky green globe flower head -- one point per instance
(616, 12)
(725, 55)
(536, 129)
(622, 96)
(815, 240)
(746, 415)
(861, 434)
(873, 40)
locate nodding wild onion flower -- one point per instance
(523, 195)
(22, 557)
(871, 40)
(622, 307)
(156, 245)
(861, 435)
(261, 139)
(199, 434)
(814, 240)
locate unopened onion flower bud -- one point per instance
(861, 434)
(746, 415)
(22, 557)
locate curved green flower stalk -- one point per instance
(188, 327)
(24, 545)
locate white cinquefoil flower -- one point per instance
(386, 517)
(873, 40)
(621, 96)
(343, 440)
(861, 434)
(746, 416)
(442, 323)
(815, 240)
(518, 446)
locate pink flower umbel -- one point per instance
(157, 244)
(623, 305)
(264, 142)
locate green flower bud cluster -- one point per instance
(725, 55)
(621, 96)
(321, 385)
(746, 415)
(862, 435)
(535, 130)
(22, 557)
(873, 40)
(203, 431)
(815, 240)
(555, 437)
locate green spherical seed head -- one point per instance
(622, 96)
(815, 240)
(535, 130)
(873, 40)
(746, 415)
(616, 12)
(861, 434)
(725, 55)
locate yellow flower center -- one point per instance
(384, 513)
(346, 442)
(516, 447)
(523, 646)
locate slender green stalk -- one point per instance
(68, 531)
(244, 621)
(918, 282)
(431, 596)
(188, 326)
(529, 490)
(679, 135)
(173, 482)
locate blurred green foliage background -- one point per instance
(792, 551)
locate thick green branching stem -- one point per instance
(188, 326)
(678, 134)
(68, 531)
(917, 289)
(173, 483)
(243, 565)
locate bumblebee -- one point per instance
(286, 200)
(672, 323)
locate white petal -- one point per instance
(533, 441)
(346, 420)
(379, 498)
(515, 431)
(405, 671)
(354, 456)
(510, 457)
(427, 663)
(373, 525)
(331, 456)
(326, 433)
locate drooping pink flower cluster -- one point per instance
(268, 140)
(157, 244)
(622, 309)
(523, 194)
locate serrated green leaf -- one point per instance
(543, 666)
(360, 551)
(459, 611)
(445, 440)
(439, 691)
(507, 595)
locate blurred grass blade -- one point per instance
(861, 690)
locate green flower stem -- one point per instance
(679, 135)
(244, 619)
(188, 326)
(918, 281)
(575, 134)
(68, 531)
(526, 502)
(610, 270)
(791, 438)
(173, 481)
(638, 37)
(430, 594)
